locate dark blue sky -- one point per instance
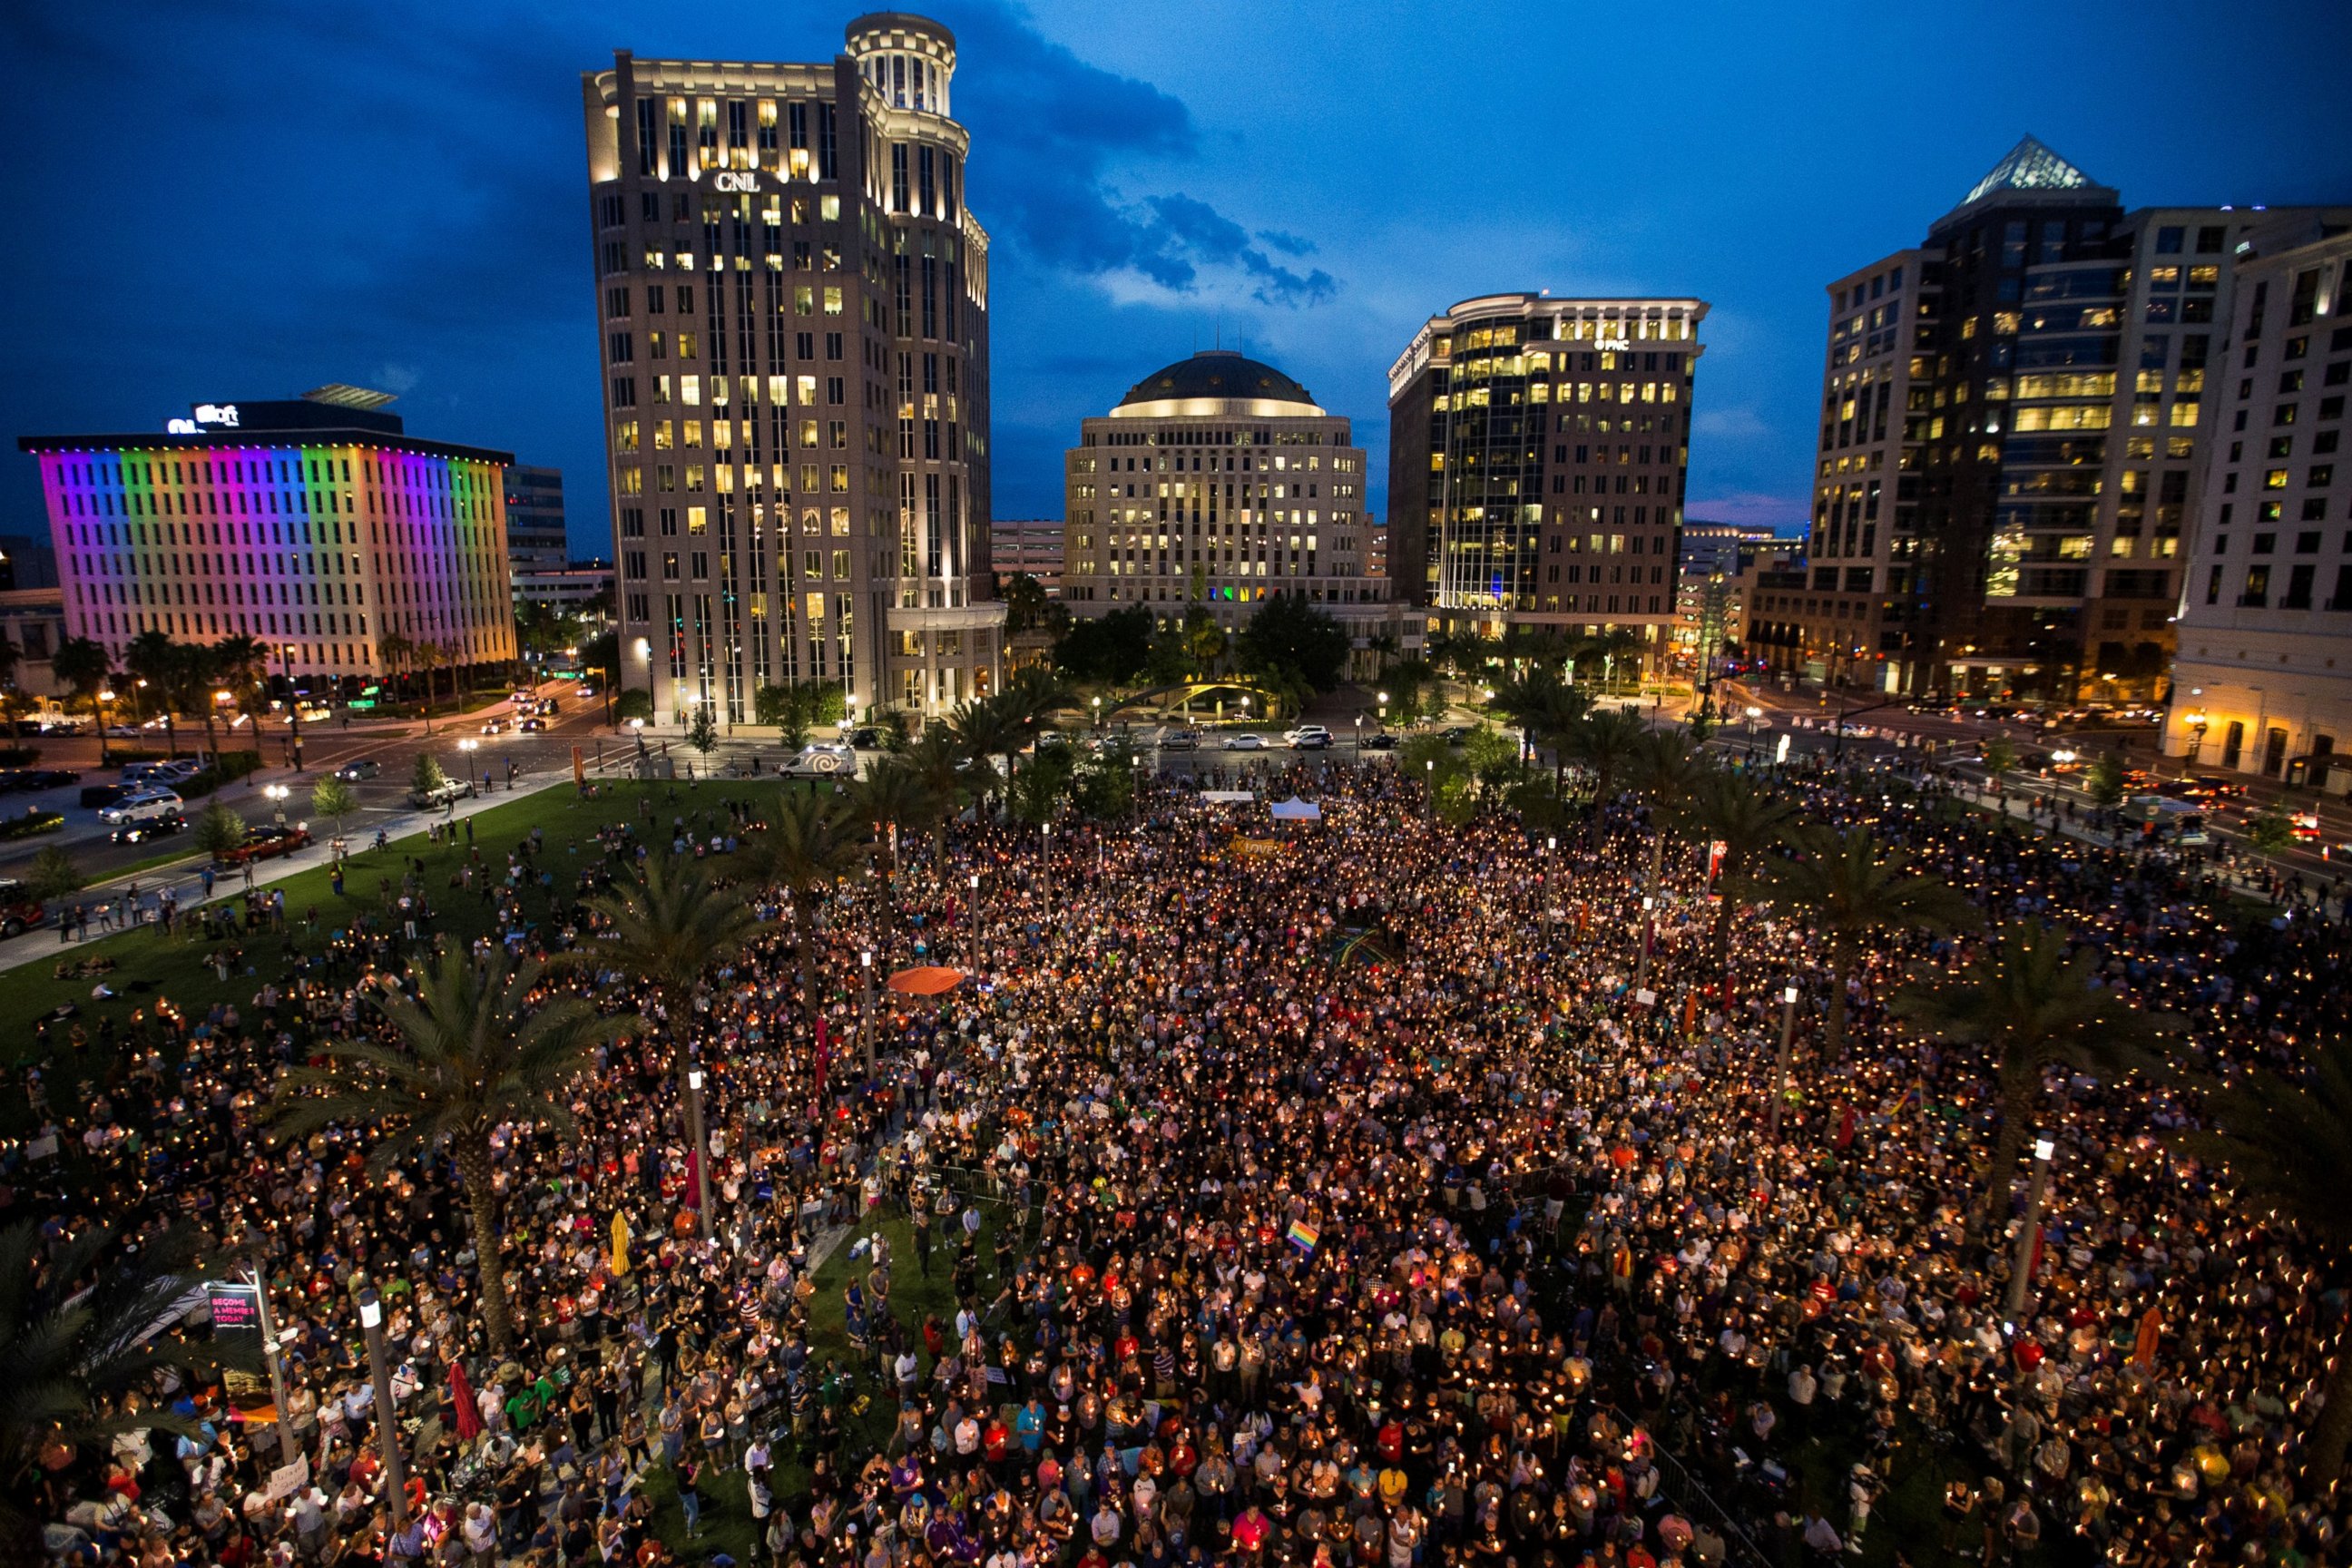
(248, 200)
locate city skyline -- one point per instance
(1147, 200)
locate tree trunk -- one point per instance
(1833, 1037)
(801, 912)
(2017, 1100)
(490, 1266)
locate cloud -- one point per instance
(395, 378)
(1749, 509)
(1739, 422)
(1050, 129)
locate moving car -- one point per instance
(162, 826)
(1383, 742)
(532, 725)
(140, 805)
(494, 726)
(358, 769)
(1244, 740)
(262, 843)
(822, 759)
(1180, 740)
(1307, 738)
(19, 910)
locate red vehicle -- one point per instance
(19, 910)
(261, 842)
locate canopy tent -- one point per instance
(925, 979)
(1296, 810)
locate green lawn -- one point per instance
(150, 968)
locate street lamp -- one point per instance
(2043, 1147)
(1551, 858)
(1780, 1064)
(865, 965)
(293, 704)
(1649, 924)
(1429, 766)
(105, 756)
(387, 1417)
(702, 1148)
(277, 793)
(1097, 701)
(975, 923)
(1384, 710)
(2196, 720)
(1360, 735)
(1755, 716)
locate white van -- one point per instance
(141, 806)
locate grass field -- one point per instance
(150, 968)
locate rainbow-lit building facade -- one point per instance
(316, 526)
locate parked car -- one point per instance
(102, 795)
(1307, 738)
(19, 910)
(140, 805)
(1455, 734)
(1180, 740)
(1244, 741)
(866, 738)
(1383, 742)
(263, 843)
(48, 778)
(442, 794)
(162, 826)
(159, 775)
(359, 768)
(822, 759)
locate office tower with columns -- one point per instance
(2262, 682)
(793, 305)
(1538, 453)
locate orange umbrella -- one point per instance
(925, 979)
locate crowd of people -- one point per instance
(1325, 1196)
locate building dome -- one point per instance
(1217, 382)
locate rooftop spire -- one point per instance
(2029, 166)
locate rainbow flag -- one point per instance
(1304, 1236)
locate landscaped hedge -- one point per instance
(33, 821)
(19, 756)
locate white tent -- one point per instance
(1296, 810)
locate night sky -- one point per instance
(246, 200)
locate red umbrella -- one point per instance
(470, 1410)
(925, 979)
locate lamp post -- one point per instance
(1649, 924)
(2196, 720)
(2043, 1147)
(269, 1348)
(1045, 856)
(1098, 704)
(1781, 1063)
(975, 923)
(1384, 711)
(387, 1418)
(1755, 715)
(105, 755)
(865, 1027)
(466, 748)
(1429, 766)
(277, 793)
(293, 704)
(1360, 737)
(1552, 859)
(701, 1149)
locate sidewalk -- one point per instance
(38, 945)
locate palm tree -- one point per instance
(1546, 708)
(1604, 743)
(984, 732)
(150, 659)
(935, 757)
(2285, 1142)
(895, 796)
(191, 685)
(1850, 890)
(2033, 1005)
(1665, 769)
(397, 652)
(1615, 644)
(812, 844)
(70, 1357)
(86, 667)
(667, 928)
(239, 663)
(1731, 811)
(474, 1048)
(10, 657)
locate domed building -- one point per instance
(1219, 480)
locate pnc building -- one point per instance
(318, 527)
(792, 301)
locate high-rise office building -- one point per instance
(319, 527)
(2262, 682)
(1217, 480)
(535, 538)
(1538, 454)
(2009, 423)
(794, 305)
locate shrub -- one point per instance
(53, 875)
(19, 756)
(35, 820)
